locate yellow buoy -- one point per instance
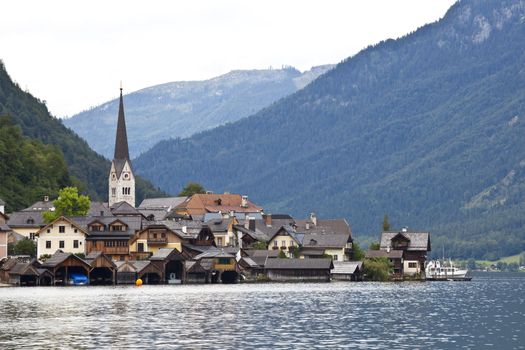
(138, 282)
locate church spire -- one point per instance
(121, 141)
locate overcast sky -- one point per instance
(74, 54)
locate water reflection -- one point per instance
(487, 312)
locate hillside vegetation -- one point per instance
(427, 128)
(86, 168)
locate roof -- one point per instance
(298, 264)
(325, 240)
(40, 206)
(123, 208)
(329, 226)
(96, 208)
(418, 241)
(166, 203)
(312, 251)
(250, 262)
(59, 257)
(392, 254)
(22, 268)
(199, 204)
(121, 139)
(166, 253)
(347, 267)
(219, 225)
(5, 228)
(26, 219)
(63, 218)
(288, 230)
(214, 254)
(133, 223)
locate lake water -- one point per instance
(488, 312)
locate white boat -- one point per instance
(437, 270)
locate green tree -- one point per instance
(386, 223)
(68, 203)
(25, 247)
(282, 255)
(374, 246)
(259, 245)
(377, 269)
(357, 252)
(191, 188)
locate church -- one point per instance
(121, 178)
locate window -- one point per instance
(334, 257)
(224, 261)
(61, 244)
(32, 236)
(113, 192)
(163, 235)
(219, 240)
(283, 243)
(291, 243)
(275, 243)
(412, 265)
(75, 230)
(61, 229)
(140, 247)
(48, 230)
(154, 236)
(48, 244)
(75, 243)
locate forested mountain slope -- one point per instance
(181, 109)
(428, 128)
(88, 169)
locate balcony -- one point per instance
(283, 248)
(158, 240)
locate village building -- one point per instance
(220, 266)
(4, 234)
(155, 236)
(226, 204)
(311, 270)
(413, 248)
(62, 234)
(121, 178)
(286, 240)
(347, 271)
(28, 221)
(103, 270)
(224, 231)
(156, 209)
(66, 268)
(170, 263)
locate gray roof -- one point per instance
(59, 257)
(325, 240)
(164, 253)
(330, 226)
(250, 261)
(140, 264)
(134, 224)
(256, 235)
(158, 214)
(23, 268)
(40, 206)
(218, 225)
(96, 208)
(262, 253)
(298, 237)
(166, 203)
(392, 254)
(214, 254)
(123, 208)
(23, 219)
(5, 228)
(346, 267)
(419, 241)
(298, 264)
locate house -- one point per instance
(4, 234)
(64, 234)
(413, 248)
(157, 235)
(223, 231)
(310, 270)
(170, 262)
(286, 240)
(111, 234)
(332, 237)
(26, 222)
(230, 204)
(347, 271)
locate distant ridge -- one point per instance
(181, 109)
(428, 128)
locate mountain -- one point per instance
(181, 109)
(427, 128)
(88, 170)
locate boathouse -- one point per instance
(347, 271)
(65, 266)
(103, 269)
(170, 262)
(299, 269)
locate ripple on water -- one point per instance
(488, 310)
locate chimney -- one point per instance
(46, 198)
(244, 202)
(185, 229)
(404, 229)
(307, 225)
(209, 192)
(251, 224)
(313, 219)
(268, 220)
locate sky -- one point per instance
(74, 54)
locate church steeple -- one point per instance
(121, 141)
(121, 178)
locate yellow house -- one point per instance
(223, 231)
(285, 240)
(63, 234)
(149, 240)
